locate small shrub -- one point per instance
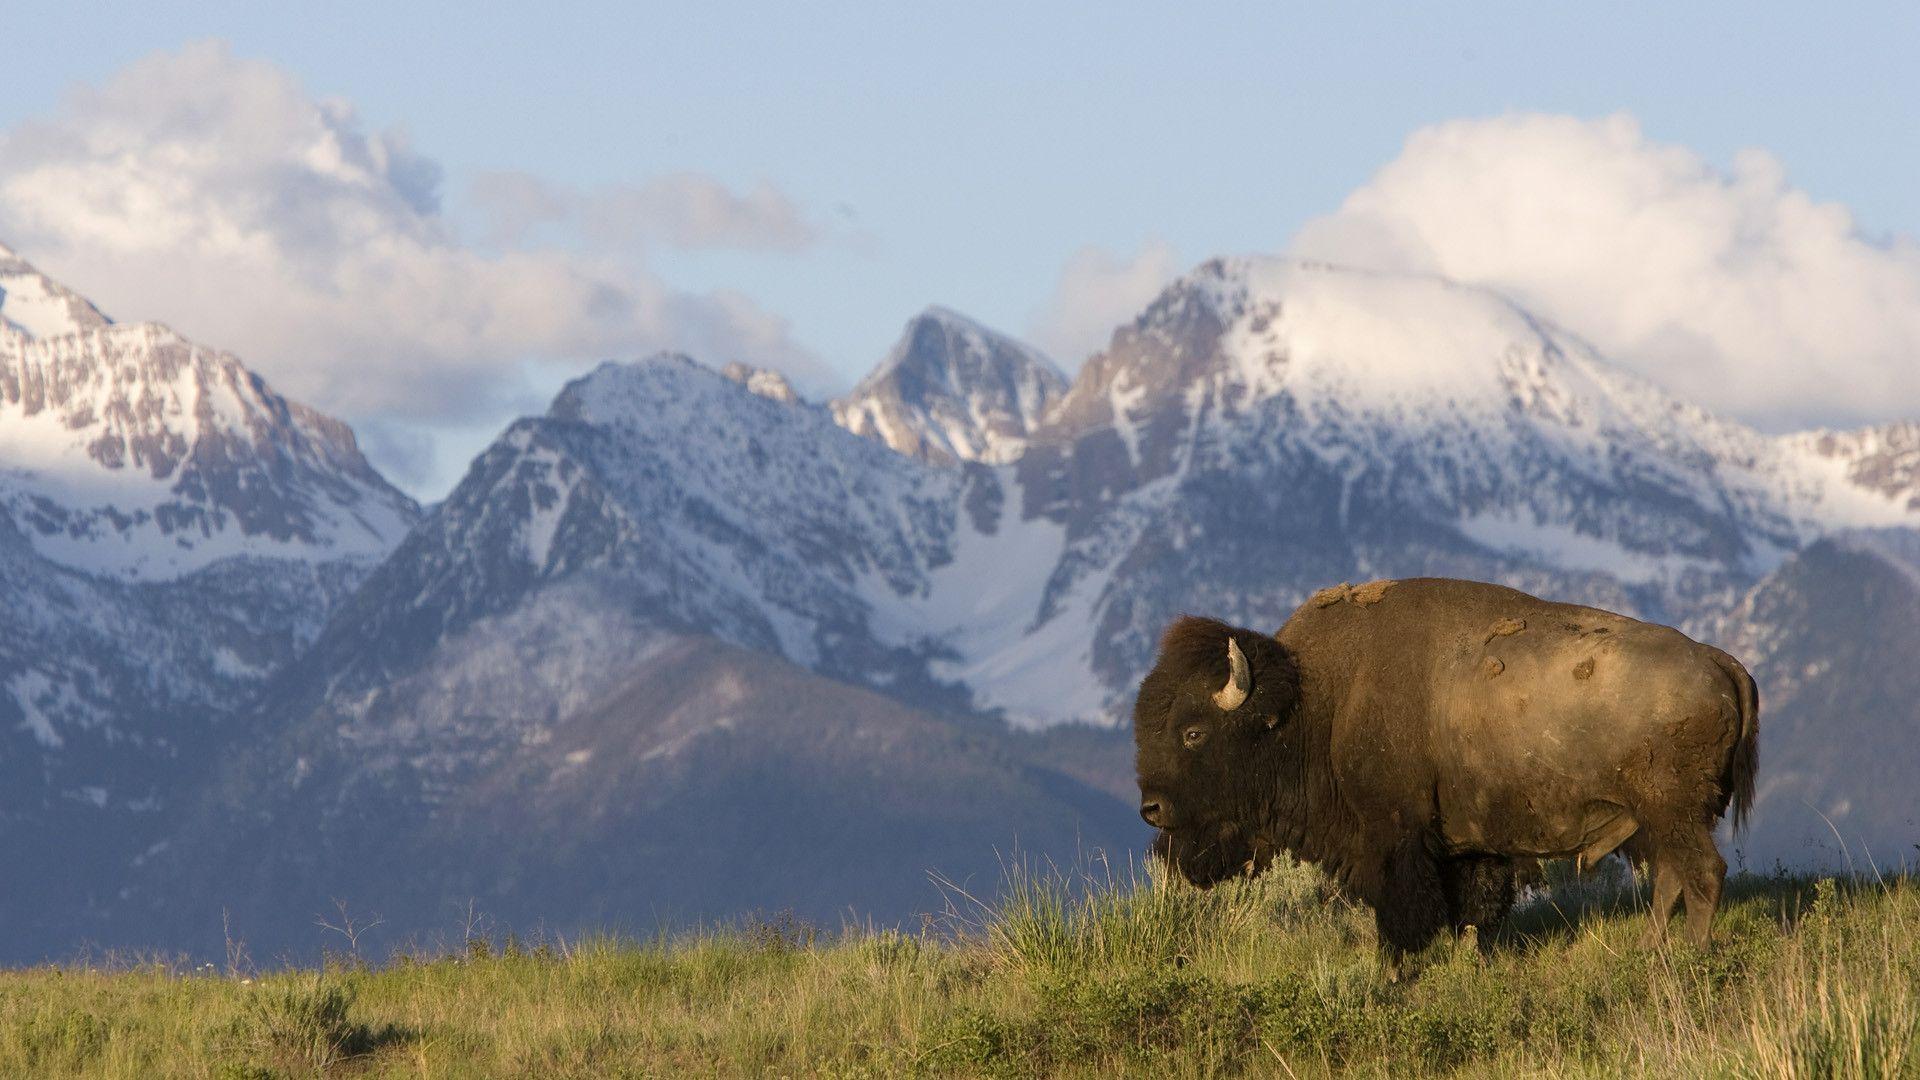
(978, 1041)
(300, 1021)
(779, 933)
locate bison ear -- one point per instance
(1239, 679)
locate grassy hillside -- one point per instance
(1806, 978)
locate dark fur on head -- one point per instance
(1195, 648)
(1218, 781)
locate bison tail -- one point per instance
(1739, 779)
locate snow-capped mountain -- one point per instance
(656, 503)
(172, 532)
(130, 451)
(706, 503)
(1453, 403)
(1263, 428)
(1267, 426)
(39, 307)
(953, 390)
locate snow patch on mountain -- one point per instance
(130, 452)
(1567, 548)
(981, 615)
(35, 694)
(35, 306)
(1879, 466)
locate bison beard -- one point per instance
(1456, 893)
(1211, 860)
(1420, 740)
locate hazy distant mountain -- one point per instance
(1831, 638)
(171, 533)
(953, 390)
(671, 780)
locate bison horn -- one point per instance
(1239, 679)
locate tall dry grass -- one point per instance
(1082, 974)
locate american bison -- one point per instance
(1416, 738)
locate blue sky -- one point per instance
(969, 154)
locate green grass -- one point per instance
(1054, 978)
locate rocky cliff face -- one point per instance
(952, 390)
(131, 452)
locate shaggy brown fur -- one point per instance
(1415, 756)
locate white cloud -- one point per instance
(690, 210)
(215, 194)
(1097, 291)
(1732, 287)
(685, 209)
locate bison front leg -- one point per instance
(1412, 905)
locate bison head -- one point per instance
(1205, 731)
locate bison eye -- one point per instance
(1193, 737)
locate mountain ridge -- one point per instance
(172, 533)
(993, 582)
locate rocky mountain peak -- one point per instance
(766, 382)
(1261, 327)
(953, 390)
(1399, 397)
(129, 451)
(36, 306)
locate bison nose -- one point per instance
(1154, 811)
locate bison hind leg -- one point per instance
(1706, 874)
(1686, 866)
(1480, 890)
(1412, 907)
